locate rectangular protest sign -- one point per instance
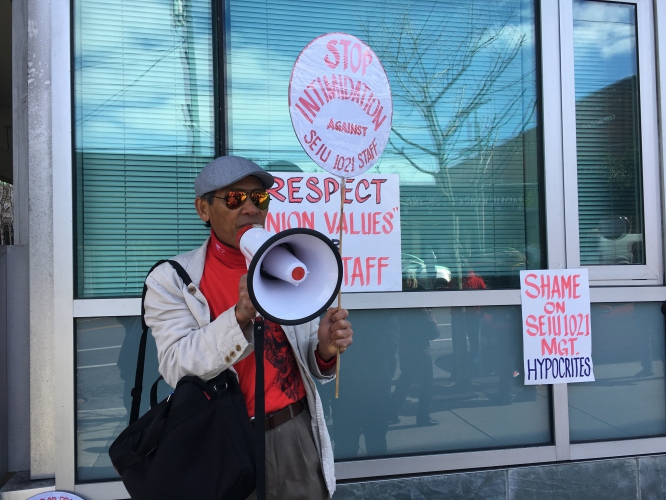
(557, 335)
(370, 223)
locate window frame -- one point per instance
(650, 273)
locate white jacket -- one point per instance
(189, 343)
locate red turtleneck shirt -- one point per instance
(223, 269)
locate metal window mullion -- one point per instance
(649, 127)
(660, 45)
(619, 448)
(63, 267)
(440, 463)
(553, 136)
(96, 308)
(112, 490)
(555, 156)
(560, 394)
(570, 157)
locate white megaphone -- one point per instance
(293, 276)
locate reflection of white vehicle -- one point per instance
(624, 250)
(616, 243)
(442, 272)
(416, 268)
(502, 262)
(412, 265)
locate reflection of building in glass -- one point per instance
(609, 175)
(6, 214)
(494, 217)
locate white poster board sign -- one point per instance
(557, 335)
(340, 104)
(370, 222)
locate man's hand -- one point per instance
(245, 311)
(334, 331)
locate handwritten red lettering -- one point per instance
(330, 224)
(383, 263)
(348, 190)
(378, 189)
(331, 46)
(366, 185)
(532, 329)
(387, 228)
(293, 190)
(275, 190)
(330, 186)
(312, 184)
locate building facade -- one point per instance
(527, 134)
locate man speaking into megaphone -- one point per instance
(206, 327)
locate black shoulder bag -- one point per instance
(197, 443)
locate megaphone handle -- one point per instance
(259, 409)
(343, 185)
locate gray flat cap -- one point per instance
(226, 170)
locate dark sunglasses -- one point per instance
(236, 197)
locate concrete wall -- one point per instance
(637, 478)
(42, 426)
(4, 456)
(33, 213)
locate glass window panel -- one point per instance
(627, 400)
(106, 354)
(608, 137)
(416, 381)
(143, 113)
(424, 381)
(465, 138)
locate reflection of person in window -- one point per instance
(465, 326)
(127, 361)
(417, 329)
(638, 330)
(501, 349)
(365, 385)
(645, 345)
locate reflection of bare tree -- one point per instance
(452, 69)
(6, 214)
(183, 21)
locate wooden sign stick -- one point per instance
(342, 211)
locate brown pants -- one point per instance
(293, 469)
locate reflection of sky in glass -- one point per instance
(135, 90)
(143, 96)
(145, 121)
(266, 39)
(604, 44)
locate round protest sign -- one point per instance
(340, 104)
(55, 495)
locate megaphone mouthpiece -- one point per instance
(281, 263)
(298, 273)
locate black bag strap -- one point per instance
(153, 392)
(138, 379)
